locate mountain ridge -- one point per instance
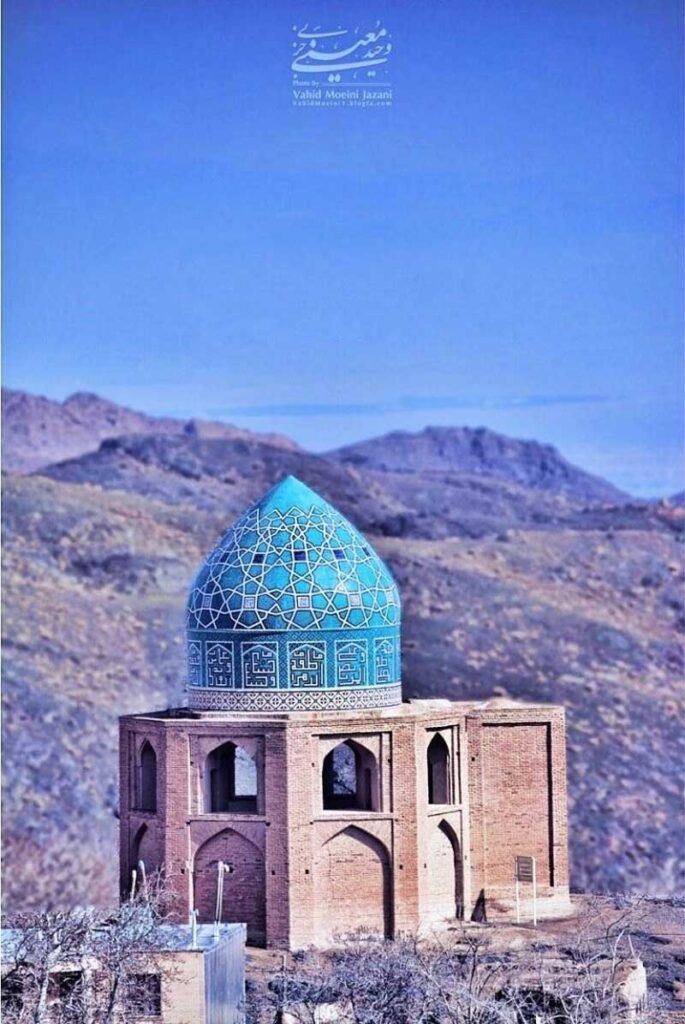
(39, 431)
(230, 473)
(507, 589)
(479, 451)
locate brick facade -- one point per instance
(299, 874)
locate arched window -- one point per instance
(147, 778)
(439, 788)
(350, 778)
(230, 781)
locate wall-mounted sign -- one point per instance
(525, 869)
(525, 873)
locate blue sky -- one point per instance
(500, 247)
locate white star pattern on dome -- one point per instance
(298, 569)
(293, 610)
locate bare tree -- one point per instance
(461, 979)
(373, 982)
(42, 942)
(86, 967)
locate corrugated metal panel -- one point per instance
(225, 979)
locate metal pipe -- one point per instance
(221, 867)
(143, 878)
(191, 883)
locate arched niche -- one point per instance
(353, 886)
(244, 882)
(146, 783)
(230, 781)
(439, 771)
(137, 845)
(445, 875)
(349, 778)
(144, 847)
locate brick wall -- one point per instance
(300, 872)
(444, 885)
(516, 785)
(244, 888)
(352, 885)
(517, 789)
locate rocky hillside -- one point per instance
(37, 431)
(224, 475)
(478, 452)
(507, 588)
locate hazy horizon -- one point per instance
(501, 247)
(180, 414)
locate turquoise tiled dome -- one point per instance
(292, 610)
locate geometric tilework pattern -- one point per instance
(260, 666)
(293, 562)
(288, 700)
(351, 661)
(250, 660)
(307, 665)
(220, 670)
(384, 660)
(293, 602)
(195, 674)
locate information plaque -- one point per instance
(525, 873)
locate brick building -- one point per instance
(298, 774)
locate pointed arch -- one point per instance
(439, 771)
(137, 844)
(353, 885)
(244, 887)
(362, 835)
(230, 780)
(445, 875)
(147, 778)
(143, 848)
(350, 778)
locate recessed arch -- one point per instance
(137, 844)
(350, 778)
(353, 885)
(146, 789)
(439, 771)
(244, 882)
(445, 873)
(361, 835)
(143, 847)
(230, 780)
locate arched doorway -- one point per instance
(244, 883)
(353, 885)
(445, 893)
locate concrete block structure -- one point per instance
(190, 974)
(298, 774)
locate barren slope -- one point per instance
(95, 582)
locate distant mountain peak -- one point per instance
(481, 452)
(89, 400)
(38, 432)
